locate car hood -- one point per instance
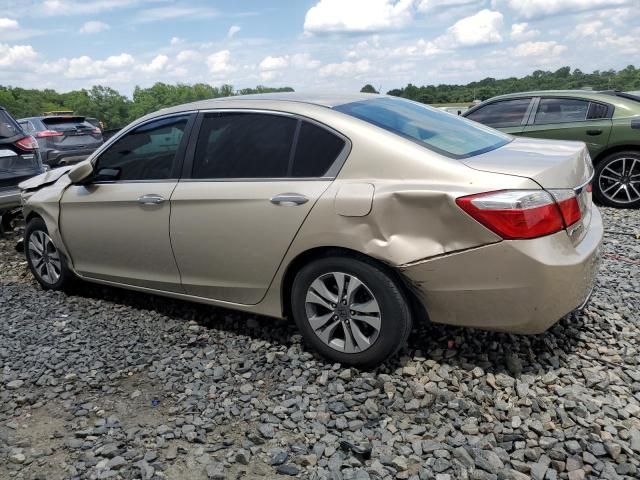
(550, 163)
(42, 180)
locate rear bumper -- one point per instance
(64, 157)
(9, 198)
(521, 286)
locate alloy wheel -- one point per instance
(44, 257)
(343, 312)
(619, 180)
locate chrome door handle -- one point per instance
(289, 199)
(151, 199)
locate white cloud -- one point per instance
(119, 61)
(80, 7)
(521, 32)
(16, 55)
(430, 5)
(358, 15)
(175, 41)
(94, 26)
(187, 56)
(219, 63)
(273, 63)
(540, 8)
(345, 68)
(233, 29)
(480, 29)
(588, 29)
(537, 49)
(303, 60)
(86, 67)
(156, 65)
(8, 24)
(174, 12)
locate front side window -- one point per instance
(561, 110)
(148, 152)
(506, 113)
(244, 145)
(436, 130)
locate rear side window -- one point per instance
(597, 110)
(506, 113)
(8, 126)
(147, 152)
(561, 110)
(436, 130)
(27, 127)
(244, 145)
(316, 150)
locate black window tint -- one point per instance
(244, 145)
(561, 110)
(148, 152)
(316, 150)
(8, 126)
(597, 110)
(507, 113)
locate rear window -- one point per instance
(71, 123)
(436, 130)
(8, 126)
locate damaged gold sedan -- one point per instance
(355, 215)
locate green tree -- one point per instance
(368, 88)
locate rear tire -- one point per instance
(351, 310)
(617, 180)
(45, 261)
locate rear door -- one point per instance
(251, 180)
(510, 115)
(576, 119)
(70, 133)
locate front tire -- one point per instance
(45, 261)
(350, 310)
(617, 180)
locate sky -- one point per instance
(328, 45)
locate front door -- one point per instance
(572, 119)
(116, 227)
(255, 177)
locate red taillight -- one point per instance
(27, 143)
(569, 206)
(49, 133)
(515, 214)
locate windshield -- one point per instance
(439, 131)
(8, 126)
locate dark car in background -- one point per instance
(608, 122)
(19, 160)
(63, 139)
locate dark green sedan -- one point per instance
(608, 122)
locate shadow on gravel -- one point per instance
(454, 346)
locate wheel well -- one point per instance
(31, 216)
(620, 148)
(322, 252)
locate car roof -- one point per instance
(320, 99)
(603, 95)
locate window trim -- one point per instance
(525, 116)
(331, 173)
(532, 118)
(180, 152)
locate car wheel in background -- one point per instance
(617, 180)
(45, 260)
(352, 311)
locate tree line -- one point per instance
(116, 110)
(562, 79)
(110, 106)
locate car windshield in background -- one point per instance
(8, 126)
(439, 131)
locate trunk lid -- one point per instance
(554, 164)
(550, 163)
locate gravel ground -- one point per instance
(104, 383)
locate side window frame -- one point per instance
(332, 172)
(534, 111)
(177, 161)
(525, 117)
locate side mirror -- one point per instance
(81, 172)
